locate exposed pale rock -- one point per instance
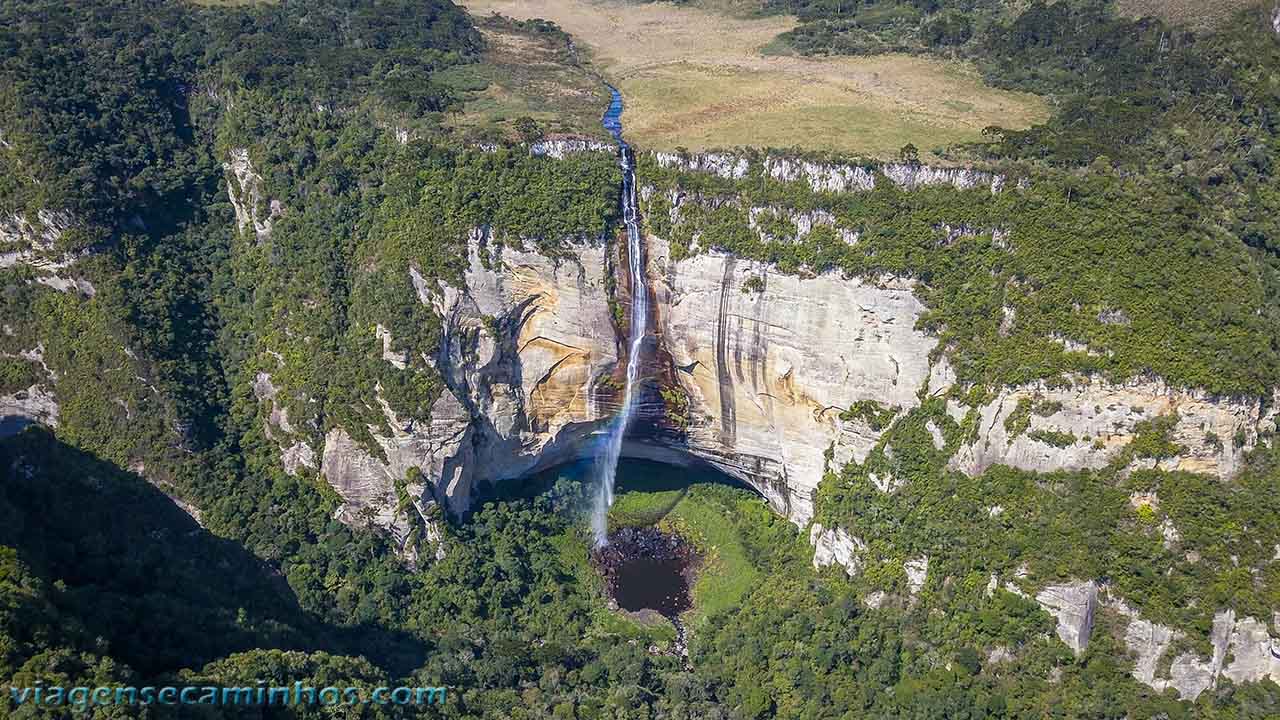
(1008, 316)
(1192, 676)
(526, 338)
(1076, 346)
(911, 177)
(35, 245)
(886, 483)
(24, 407)
(875, 599)
(803, 222)
(368, 492)
(1073, 605)
(764, 406)
(1250, 652)
(399, 359)
(68, 284)
(296, 451)
(917, 570)
(248, 197)
(935, 435)
(1144, 499)
(297, 456)
(999, 654)
(1247, 643)
(820, 177)
(1147, 643)
(841, 178)
(266, 391)
(41, 236)
(725, 165)
(1108, 414)
(559, 147)
(36, 355)
(834, 546)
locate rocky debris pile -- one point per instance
(635, 557)
(650, 542)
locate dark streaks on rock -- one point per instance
(728, 412)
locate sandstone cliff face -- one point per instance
(770, 366)
(1100, 418)
(527, 338)
(1241, 651)
(35, 404)
(723, 164)
(834, 546)
(562, 146)
(1074, 606)
(768, 363)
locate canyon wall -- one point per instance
(765, 367)
(755, 372)
(526, 340)
(770, 361)
(768, 365)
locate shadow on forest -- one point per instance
(142, 574)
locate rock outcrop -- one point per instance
(834, 177)
(834, 546)
(764, 406)
(35, 404)
(917, 570)
(527, 338)
(559, 147)
(1073, 605)
(254, 210)
(1241, 651)
(37, 245)
(725, 165)
(821, 177)
(1086, 424)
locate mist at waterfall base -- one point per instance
(607, 464)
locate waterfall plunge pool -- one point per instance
(647, 569)
(648, 563)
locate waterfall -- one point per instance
(607, 467)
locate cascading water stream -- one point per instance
(608, 464)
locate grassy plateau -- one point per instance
(706, 76)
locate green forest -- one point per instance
(153, 536)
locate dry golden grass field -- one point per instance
(1204, 14)
(696, 78)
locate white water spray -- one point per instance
(607, 467)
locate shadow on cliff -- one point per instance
(634, 474)
(138, 572)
